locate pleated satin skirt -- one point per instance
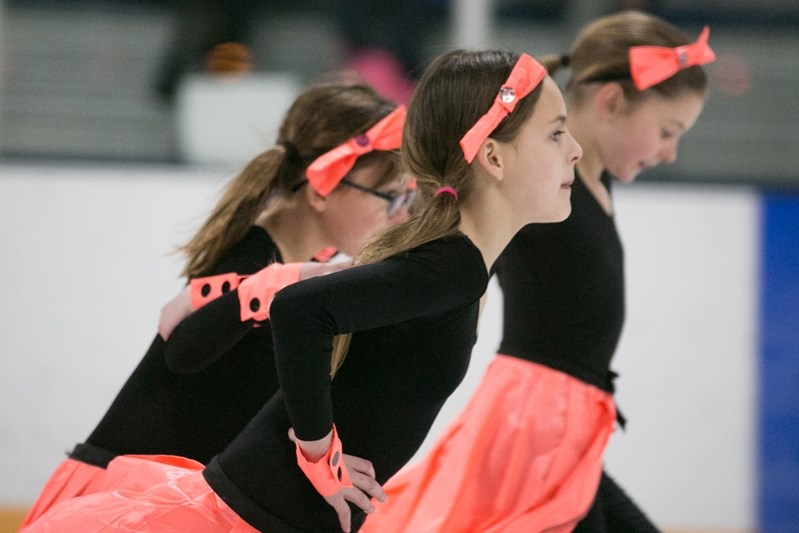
(140, 493)
(524, 455)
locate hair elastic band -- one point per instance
(292, 153)
(527, 73)
(447, 190)
(650, 65)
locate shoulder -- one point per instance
(253, 252)
(451, 259)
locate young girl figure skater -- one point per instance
(330, 180)
(526, 452)
(485, 140)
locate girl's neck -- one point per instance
(487, 231)
(581, 125)
(293, 231)
(590, 167)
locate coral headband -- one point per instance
(327, 170)
(525, 76)
(650, 65)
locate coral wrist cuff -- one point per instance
(257, 291)
(208, 288)
(328, 475)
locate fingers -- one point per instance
(359, 465)
(342, 510)
(311, 270)
(166, 322)
(368, 485)
(163, 328)
(336, 267)
(174, 312)
(359, 498)
(339, 503)
(362, 475)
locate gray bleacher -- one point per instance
(78, 83)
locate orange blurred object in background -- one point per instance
(229, 60)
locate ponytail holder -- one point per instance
(292, 154)
(650, 65)
(565, 60)
(527, 73)
(328, 475)
(447, 190)
(327, 170)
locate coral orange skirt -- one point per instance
(71, 479)
(160, 493)
(525, 455)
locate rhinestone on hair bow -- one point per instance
(527, 73)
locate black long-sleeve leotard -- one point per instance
(413, 319)
(195, 415)
(563, 290)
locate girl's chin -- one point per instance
(629, 176)
(558, 215)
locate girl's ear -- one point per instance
(315, 200)
(489, 158)
(609, 100)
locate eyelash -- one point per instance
(556, 135)
(666, 134)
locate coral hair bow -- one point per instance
(650, 65)
(527, 73)
(327, 170)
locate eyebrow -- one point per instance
(559, 118)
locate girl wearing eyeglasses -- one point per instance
(367, 356)
(331, 180)
(526, 452)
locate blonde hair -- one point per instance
(321, 118)
(600, 54)
(456, 89)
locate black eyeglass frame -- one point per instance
(395, 201)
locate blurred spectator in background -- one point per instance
(384, 41)
(203, 27)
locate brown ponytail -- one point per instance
(322, 117)
(554, 63)
(242, 201)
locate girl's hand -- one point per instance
(312, 269)
(361, 473)
(174, 312)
